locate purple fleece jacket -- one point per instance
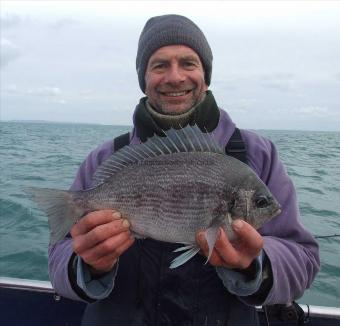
(291, 249)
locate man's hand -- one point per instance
(99, 238)
(238, 254)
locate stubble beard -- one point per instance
(170, 107)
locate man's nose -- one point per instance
(175, 75)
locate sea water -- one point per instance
(49, 154)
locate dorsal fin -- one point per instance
(188, 139)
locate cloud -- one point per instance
(45, 91)
(279, 81)
(279, 76)
(64, 23)
(9, 52)
(9, 21)
(88, 95)
(244, 104)
(225, 84)
(315, 111)
(231, 82)
(49, 94)
(10, 89)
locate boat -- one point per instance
(34, 303)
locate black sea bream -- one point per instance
(168, 188)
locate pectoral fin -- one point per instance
(211, 236)
(190, 251)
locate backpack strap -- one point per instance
(236, 147)
(121, 141)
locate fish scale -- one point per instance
(168, 188)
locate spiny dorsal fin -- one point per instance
(188, 139)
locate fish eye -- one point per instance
(262, 201)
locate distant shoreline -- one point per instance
(125, 126)
(62, 122)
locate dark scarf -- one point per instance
(205, 115)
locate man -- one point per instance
(128, 281)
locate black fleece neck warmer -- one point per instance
(206, 116)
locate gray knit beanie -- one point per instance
(170, 30)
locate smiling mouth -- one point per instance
(175, 94)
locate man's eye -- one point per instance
(189, 64)
(159, 66)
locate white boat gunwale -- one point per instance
(46, 286)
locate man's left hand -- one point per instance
(238, 254)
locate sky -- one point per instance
(276, 64)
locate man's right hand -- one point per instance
(99, 238)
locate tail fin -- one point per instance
(60, 208)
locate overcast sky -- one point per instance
(276, 64)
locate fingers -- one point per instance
(93, 219)
(99, 234)
(230, 256)
(112, 246)
(248, 237)
(106, 262)
(215, 258)
(202, 243)
(100, 237)
(237, 254)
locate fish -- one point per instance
(168, 188)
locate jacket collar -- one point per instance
(206, 116)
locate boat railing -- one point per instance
(45, 286)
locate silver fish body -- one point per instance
(168, 188)
(170, 198)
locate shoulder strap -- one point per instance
(236, 147)
(121, 141)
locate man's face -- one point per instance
(174, 79)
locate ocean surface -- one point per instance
(48, 155)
